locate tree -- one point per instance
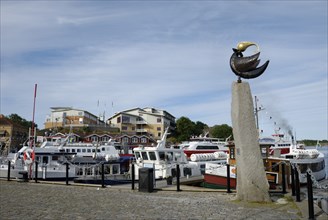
(15, 118)
(221, 131)
(185, 128)
(200, 128)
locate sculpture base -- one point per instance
(252, 184)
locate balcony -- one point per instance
(141, 122)
(141, 130)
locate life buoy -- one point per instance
(29, 156)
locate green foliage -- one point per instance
(185, 129)
(221, 131)
(15, 118)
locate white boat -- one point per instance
(51, 164)
(164, 160)
(279, 144)
(94, 150)
(199, 145)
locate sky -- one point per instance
(110, 56)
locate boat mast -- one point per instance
(257, 110)
(33, 132)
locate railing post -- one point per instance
(36, 172)
(310, 196)
(297, 184)
(67, 168)
(228, 178)
(178, 178)
(283, 173)
(132, 176)
(293, 178)
(9, 167)
(102, 175)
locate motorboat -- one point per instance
(165, 160)
(51, 164)
(199, 145)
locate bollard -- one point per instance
(9, 167)
(67, 168)
(36, 171)
(283, 178)
(297, 184)
(228, 179)
(132, 174)
(310, 196)
(102, 175)
(293, 179)
(178, 178)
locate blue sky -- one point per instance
(171, 55)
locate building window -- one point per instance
(124, 128)
(134, 140)
(159, 120)
(125, 119)
(119, 120)
(158, 128)
(143, 140)
(125, 140)
(159, 134)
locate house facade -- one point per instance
(143, 121)
(70, 117)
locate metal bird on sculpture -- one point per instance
(246, 67)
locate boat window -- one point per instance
(98, 150)
(88, 171)
(161, 155)
(97, 171)
(137, 154)
(315, 167)
(152, 156)
(107, 169)
(103, 149)
(169, 156)
(93, 150)
(55, 158)
(73, 150)
(207, 147)
(67, 150)
(79, 172)
(79, 150)
(37, 158)
(187, 171)
(116, 168)
(83, 150)
(144, 155)
(45, 160)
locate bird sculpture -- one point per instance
(246, 67)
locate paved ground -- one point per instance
(19, 200)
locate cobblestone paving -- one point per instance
(20, 200)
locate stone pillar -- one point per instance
(252, 184)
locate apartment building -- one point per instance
(67, 117)
(143, 121)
